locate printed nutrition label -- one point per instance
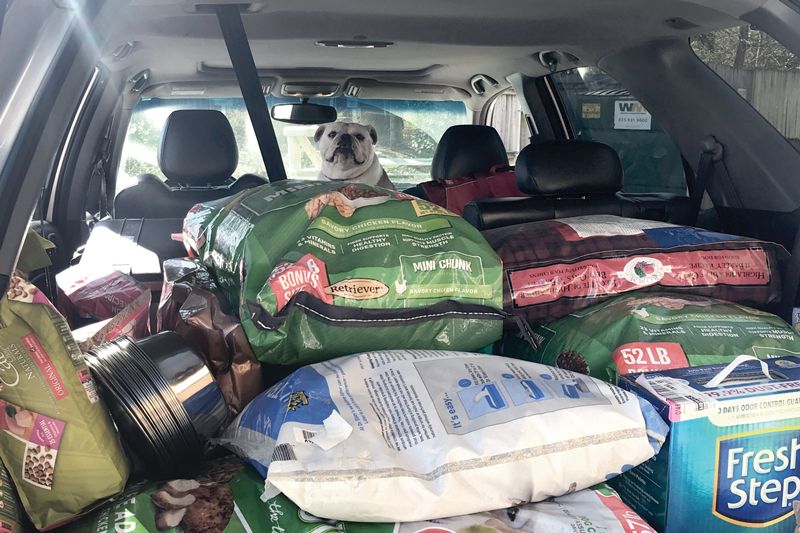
(429, 241)
(404, 422)
(370, 242)
(317, 242)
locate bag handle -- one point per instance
(723, 374)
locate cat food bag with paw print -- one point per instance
(56, 438)
(323, 269)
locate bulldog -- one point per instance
(348, 154)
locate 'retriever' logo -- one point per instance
(757, 476)
(358, 289)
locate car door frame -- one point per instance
(47, 89)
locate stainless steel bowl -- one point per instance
(189, 379)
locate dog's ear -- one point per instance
(319, 132)
(373, 134)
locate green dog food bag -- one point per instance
(322, 269)
(655, 331)
(56, 438)
(225, 497)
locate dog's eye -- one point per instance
(332, 134)
(359, 137)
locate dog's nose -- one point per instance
(346, 139)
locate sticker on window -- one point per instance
(631, 115)
(589, 110)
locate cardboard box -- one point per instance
(732, 458)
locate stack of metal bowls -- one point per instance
(163, 399)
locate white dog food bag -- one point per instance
(411, 435)
(597, 510)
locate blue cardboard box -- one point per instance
(732, 458)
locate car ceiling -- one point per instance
(442, 42)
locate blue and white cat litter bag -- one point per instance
(411, 435)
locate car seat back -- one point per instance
(198, 155)
(470, 163)
(572, 178)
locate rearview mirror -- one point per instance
(304, 113)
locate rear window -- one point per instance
(408, 133)
(599, 109)
(762, 70)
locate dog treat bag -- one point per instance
(554, 267)
(86, 295)
(655, 331)
(322, 269)
(56, 438)
(408, 435)
(225, 498)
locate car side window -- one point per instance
(760, 69)
(505, 115)
(599, 109)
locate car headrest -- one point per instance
(198, 148)
(568, 168)
(466, 149)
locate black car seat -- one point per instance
(198, 155)
(467, 154)
(463, 150)
(466, 149)
(573, 178)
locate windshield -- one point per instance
(408, 132)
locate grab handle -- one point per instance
(717, 380)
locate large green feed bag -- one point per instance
(322, 269)
(653, 332)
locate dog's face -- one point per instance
(346, 149)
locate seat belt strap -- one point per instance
(100, 169)
(711, 154)
(230, 22)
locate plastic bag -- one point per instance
(411, 435)
(193, 307)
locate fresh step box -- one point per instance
(732, 458)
